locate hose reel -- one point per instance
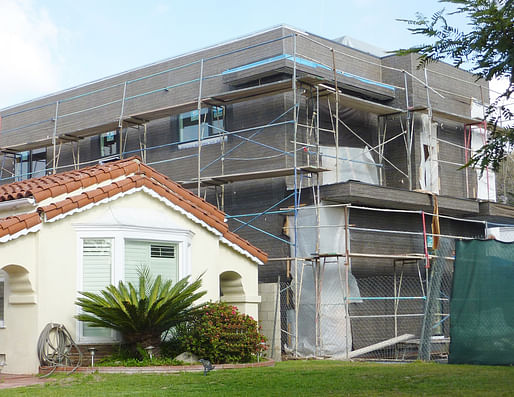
(56, 348)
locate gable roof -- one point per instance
(63, 194)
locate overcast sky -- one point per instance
(50, 45)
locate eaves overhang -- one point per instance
(496, 213)
(359, 193)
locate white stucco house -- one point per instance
(84, 229)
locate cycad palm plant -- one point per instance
(141, 315)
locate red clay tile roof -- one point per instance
(131, 173)
(14, 224)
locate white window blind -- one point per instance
(2, 302)
(160, 258)
(97, 264)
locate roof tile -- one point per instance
(17, 227)
(68, 206)
(99, 196)
(7, 222)
(137, 175)
(72, 186)
(42, 195)
(116, 173)
(14, 224)
(58, 190)
(88, 181)
(32, 220)
(52, 213)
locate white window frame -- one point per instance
(80, 325)
(119, 233)
(177, 252)
(3, 279)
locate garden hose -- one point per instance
(54, 348)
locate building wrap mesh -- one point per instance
(482, 303)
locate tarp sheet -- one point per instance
(355, 164)
(334, 321)
(482, 303)
(428, 166)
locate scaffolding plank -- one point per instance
(159, 113)
(21, 147)
(399, 256)
(454, 117)
(244, 94)
(285, 64)
(363, 104)
(248, 176)
(223, 98)
(62, 138)
(441, 114)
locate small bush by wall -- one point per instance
(223, 335)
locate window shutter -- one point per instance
(160, 258)
(1, 303)
(97, 264)
(136, 257)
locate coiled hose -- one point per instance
(55, 346)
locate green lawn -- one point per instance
(293, 378)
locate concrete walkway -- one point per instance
(8, 381)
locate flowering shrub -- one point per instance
(221, 334)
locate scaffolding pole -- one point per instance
(336, 137)
(296, 203)
(347, 272)
(199, 110)
(409, 130)
(54, 138)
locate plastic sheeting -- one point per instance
(362, 46)
(486, 181)
(334, 322)
(428, 167)
(354, 164)
(505, 233)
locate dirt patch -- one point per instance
(8, 381)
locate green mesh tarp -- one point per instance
(482, 303)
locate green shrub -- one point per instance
(223, 335)
(113, 361)
(141, 313)
(124, 357)
(173, 342)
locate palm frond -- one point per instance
(149, 309)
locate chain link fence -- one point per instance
(403, 315)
